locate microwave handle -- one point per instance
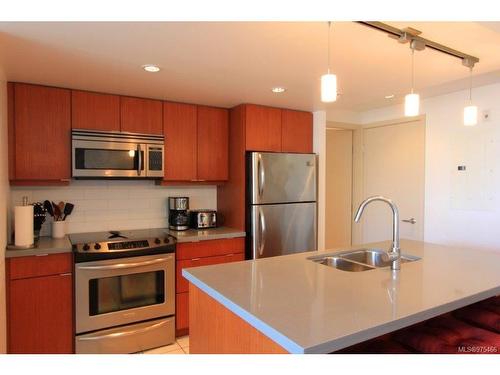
(139, 160)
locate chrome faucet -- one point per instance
(395, 252)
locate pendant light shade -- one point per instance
(328, 88)
(412, 100)
(470, 111)
(412, 105)
(470, 115)
(329, 80)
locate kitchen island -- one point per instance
(290, 304)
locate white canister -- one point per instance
(58, 229)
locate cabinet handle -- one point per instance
(65, 180)
(229, 255)
(195, 259)
(41, 255)
(65, 274)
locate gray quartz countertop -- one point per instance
(194, 235)
(45, 245)
(307, 307)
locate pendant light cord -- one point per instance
(470, 85)
(329, 27)
(412, 69)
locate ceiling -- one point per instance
(227, 63)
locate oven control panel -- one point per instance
(119, 246)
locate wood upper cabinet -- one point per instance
(40, 308)
(263, 128)
(39, 132)
(213, 127)
(141, 115)
(95, 111)
(180, 129)
(196, 142)
(296, 131)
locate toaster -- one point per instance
(201, 219)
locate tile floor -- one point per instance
(181, 346)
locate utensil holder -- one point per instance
(58, 229)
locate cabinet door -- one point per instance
(212, 143)
(90, 110)
(296, 131)
(42, 125)
(141, 115)
(181, 313)
(40, 315)
(263, 128)
(179, 124)
(182, 283)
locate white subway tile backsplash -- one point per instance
(109, 205)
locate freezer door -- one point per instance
(282, 229)
(281, 177)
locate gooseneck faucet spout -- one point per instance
(395, 251)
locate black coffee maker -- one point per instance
(178, 218)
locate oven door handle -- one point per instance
(122, 334)
(124, 265)
(139, 160)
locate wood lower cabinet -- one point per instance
(196, 254)
(39, 135)
(40, 308)
(95, 111)
(296, 131)
(141, 115)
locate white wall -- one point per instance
(460, 208)
(108, 205)
(4, 199)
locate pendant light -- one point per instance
(412, 100)
(329, 80)
(470, 111)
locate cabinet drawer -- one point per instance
(39, 265)
(182, 284)
(190, 250)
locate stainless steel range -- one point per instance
(124, 290)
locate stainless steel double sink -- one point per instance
(359, 260)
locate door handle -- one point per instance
(262, 175)
(139, 160)
(262, 239)
(124, 265)
(122, 334)
(411, 221)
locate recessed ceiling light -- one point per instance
(278, 90)
(151, 68)
(389, 96)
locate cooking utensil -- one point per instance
(57, 212)
(68, 209)
(61, 207)
(48, 207)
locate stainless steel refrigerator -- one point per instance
(281, 203)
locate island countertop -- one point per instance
(306, 307)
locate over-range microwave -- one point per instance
(104, 154)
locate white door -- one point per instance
(394, 166)
(338, 218)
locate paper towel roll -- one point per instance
(23, 225)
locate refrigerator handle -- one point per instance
(262, 174)
(262, 232)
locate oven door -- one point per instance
(114, 292)
(108, 159)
